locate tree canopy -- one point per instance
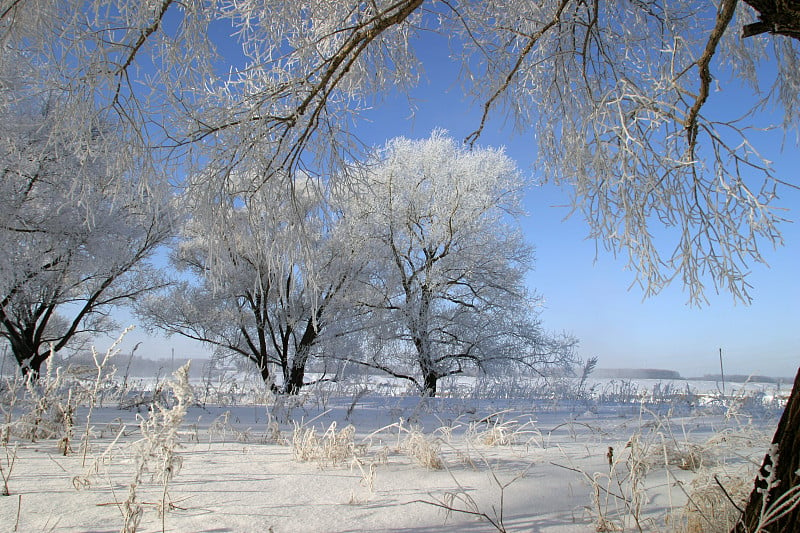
(74, 236)
(615, 97)
(273, 287)
(446, 263)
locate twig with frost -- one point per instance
(356, 397)
(100, 366)
(155, 452)
(5, 471)
(460, 501)
(85, 480)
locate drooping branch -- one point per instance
(529, 46)
(294, 129)
(143, 35)
(724, 16)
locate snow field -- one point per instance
(370, 462)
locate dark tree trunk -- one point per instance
(28, 358)
(779, 17)
(430, 380)
(263, 369)
(297, 373)
(296, 377)
(785, 464)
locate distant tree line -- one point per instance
(636, 373)
(743, 378)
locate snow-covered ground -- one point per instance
(359, 460)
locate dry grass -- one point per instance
(336, 447)
(330, 448)
(683, 455)
(273, 434)
(424, 450)
(709, 509)
(627, 492)
(368, 474)
(621, 495)
(494, 430)
(496, 433)
(223, 429)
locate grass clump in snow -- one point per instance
(425, 451)
(496, 430)
(715, 502)
(331, 448)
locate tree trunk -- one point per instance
(429, 385)
(296, 377)
(779, 17)
(785, 464)
(263, 368)
(29, 360)
(297, 372)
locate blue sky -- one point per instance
(586, 289)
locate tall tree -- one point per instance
(446, 276)
(75, 236)
(275, 290)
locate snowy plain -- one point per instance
(605, 455)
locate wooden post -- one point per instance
(786, 465)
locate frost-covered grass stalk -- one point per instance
(156, 451)
(12, 388)
(68, 420)
(7, 467)
(331, 448)
(423, 449)
(459, 500)
(100, 367)
(85, 480)
(495, 430)
(619, 494)
(43, 394)
(368, 474)
(38, 409)
(715, 502)
(222, 428)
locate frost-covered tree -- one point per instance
(277, 286)
(616, 96)
(75, 235)
(447, 265)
